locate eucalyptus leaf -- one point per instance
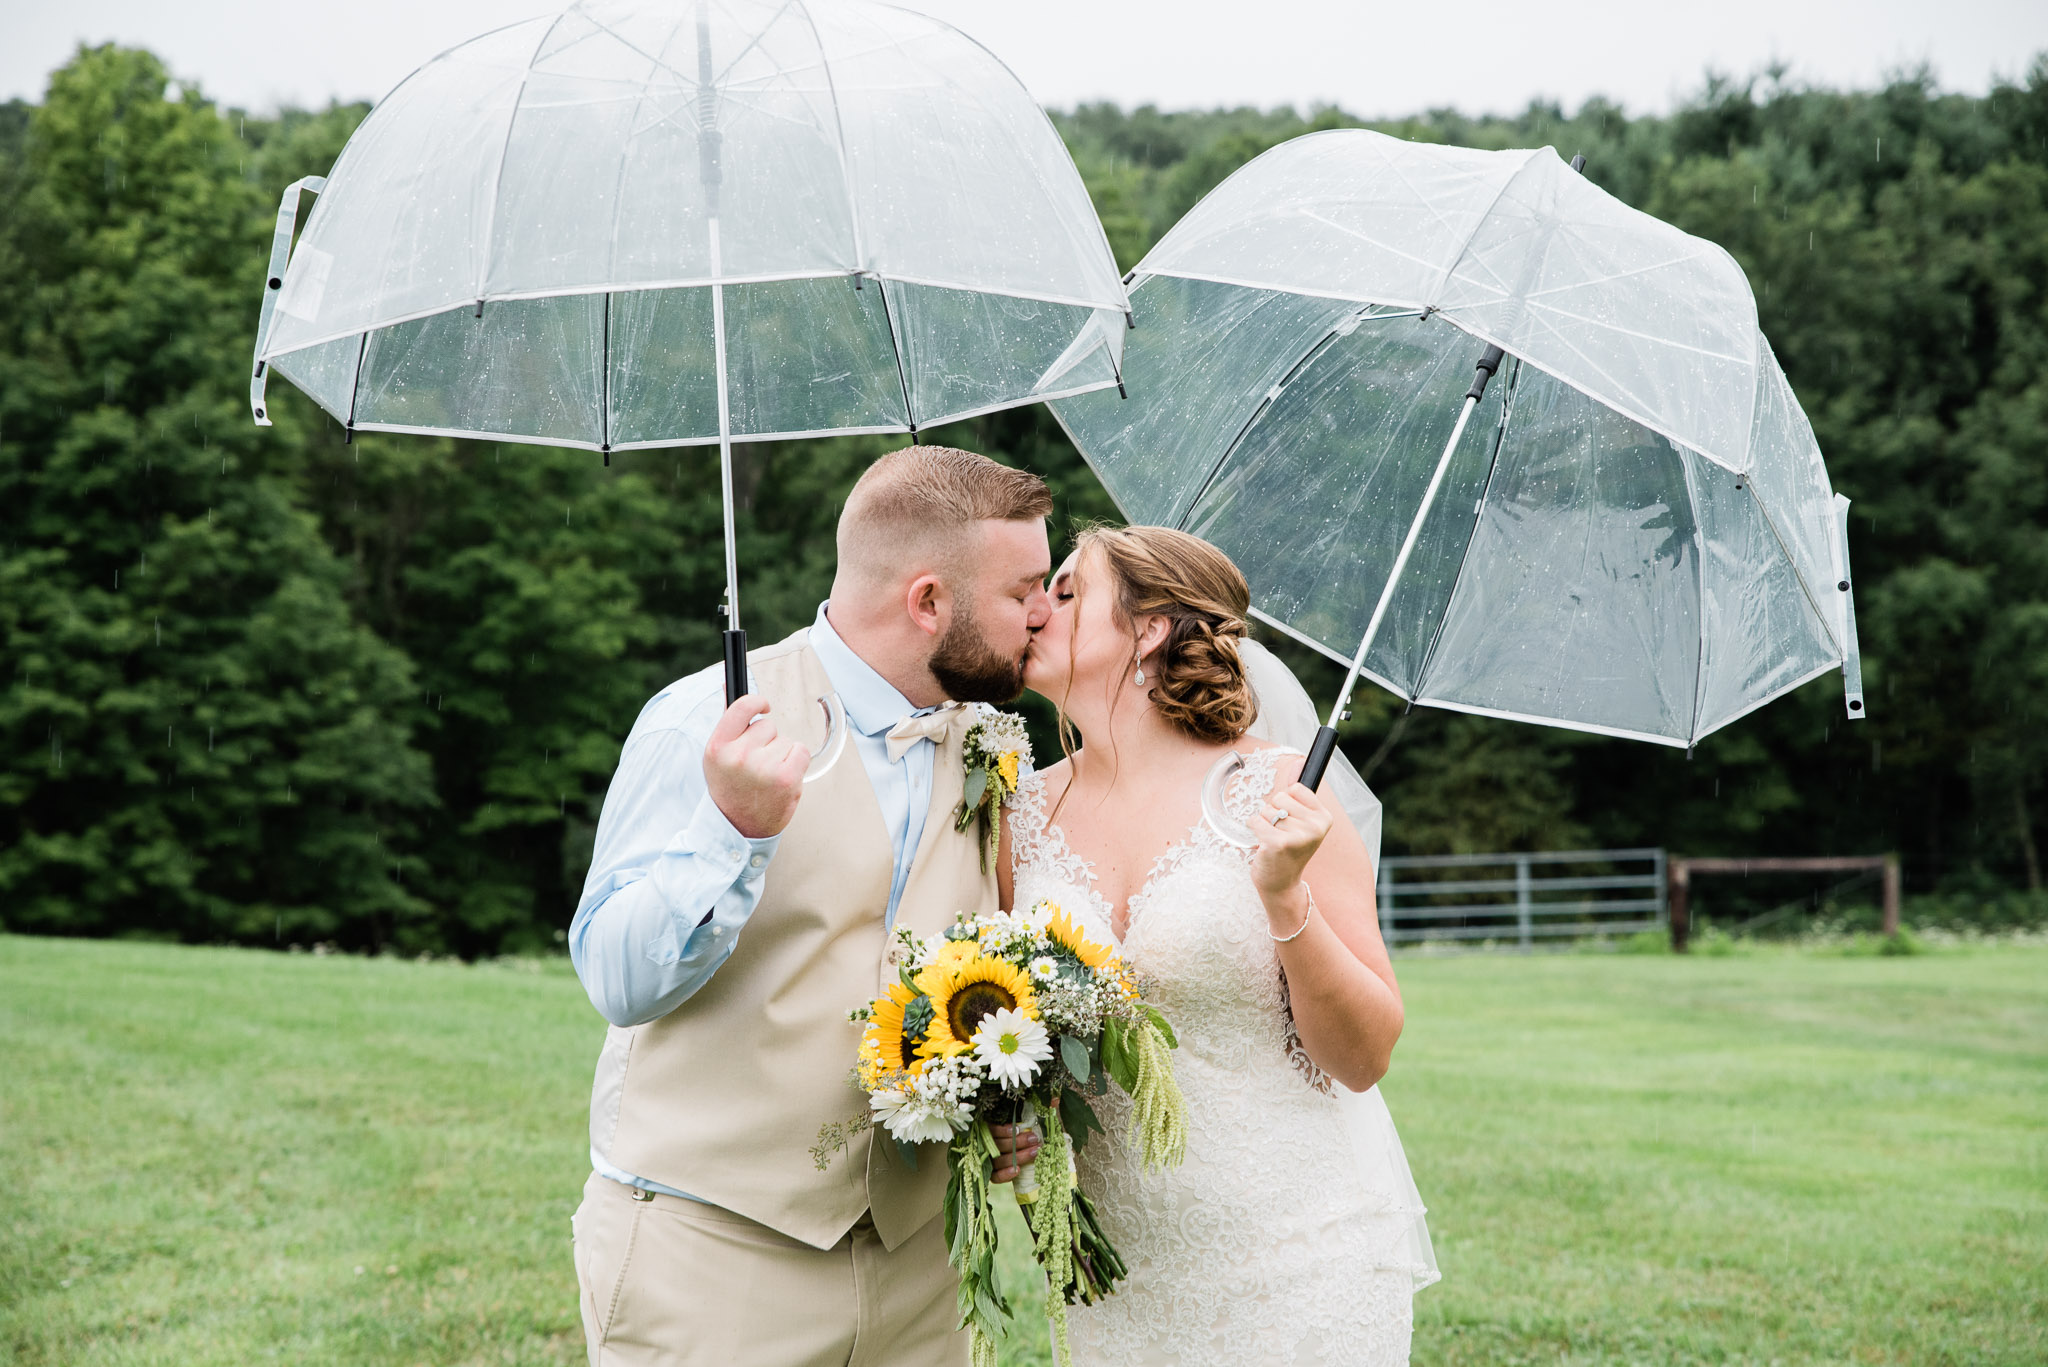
(1074, 1054)
(977, 784)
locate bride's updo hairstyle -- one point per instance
(1196, 678)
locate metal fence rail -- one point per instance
(1523, 902)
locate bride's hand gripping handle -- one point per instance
(1289, 826)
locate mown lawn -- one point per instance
(227, 1156)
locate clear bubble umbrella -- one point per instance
(647, 223)
(1485, 435)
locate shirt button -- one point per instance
(718, 930)
(758, 860)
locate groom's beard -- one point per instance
(969, 670)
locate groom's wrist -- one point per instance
(711, 837)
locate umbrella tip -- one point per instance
(1579, 162)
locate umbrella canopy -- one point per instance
(1629, 531)
(523, 239)
(642, 223)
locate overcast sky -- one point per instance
(1372, 58)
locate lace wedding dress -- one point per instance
(1292, 1233)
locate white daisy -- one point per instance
(1045, 968)
(912, 1118)
(1011, 1046)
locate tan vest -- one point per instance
(724, 1096)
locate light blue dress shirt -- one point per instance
(672, 884)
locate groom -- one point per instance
(733, 915)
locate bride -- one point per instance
(1292, 1233)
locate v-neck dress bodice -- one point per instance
(1288, 1236)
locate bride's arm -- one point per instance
(1340, 982)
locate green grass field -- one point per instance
(228, 1156)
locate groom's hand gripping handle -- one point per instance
(754, 775)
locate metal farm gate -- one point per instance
(1514, 900)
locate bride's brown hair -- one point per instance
(1196, 677)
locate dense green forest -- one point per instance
(261, 685)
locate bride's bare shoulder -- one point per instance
(1054, 778)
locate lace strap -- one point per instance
(1026, 810)
(1297, 1052)
(1254, 782)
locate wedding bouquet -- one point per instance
(1011, 1018)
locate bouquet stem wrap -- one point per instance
(1025, 1185)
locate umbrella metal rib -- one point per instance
(1500, 436)
(1343, 327)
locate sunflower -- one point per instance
(963, 993)
(1068, 936)
(953, 953)
(1007, 767)
(886, 1047)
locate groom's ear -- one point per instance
(930, 604)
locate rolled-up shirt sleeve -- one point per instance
(671, 883)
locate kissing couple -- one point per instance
(733, 912)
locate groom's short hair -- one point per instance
(922, 502)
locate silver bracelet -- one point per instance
(1307, 916)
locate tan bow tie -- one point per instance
(932, 726)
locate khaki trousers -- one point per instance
(667, 1282)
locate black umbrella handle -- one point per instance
(1320, 753)
(735, 666)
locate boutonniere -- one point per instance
(994, 752)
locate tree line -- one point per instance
(265, 686)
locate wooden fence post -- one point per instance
(1891, 894)
(1678, 879)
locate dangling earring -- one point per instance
(1139, 677)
